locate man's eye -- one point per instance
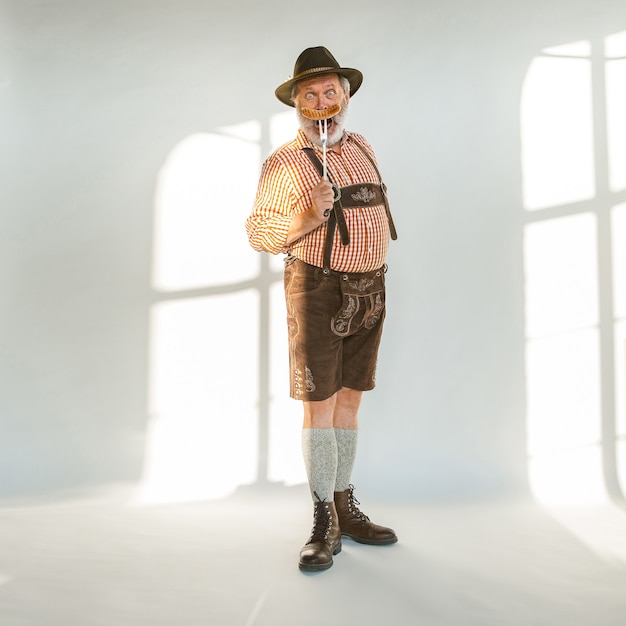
(309, 96)
(331, 92)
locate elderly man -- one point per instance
(321, 201)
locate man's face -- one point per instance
(321, 92)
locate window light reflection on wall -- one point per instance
(562, 360)
(203, 439)
(562, 242)
(556, 127)
(618, 229)
(615, 51)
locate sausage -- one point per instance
(321, 114)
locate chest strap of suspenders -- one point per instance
(383, 187)
(337, 217)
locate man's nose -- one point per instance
(323, 102)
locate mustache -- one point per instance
(312, 130)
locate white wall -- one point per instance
(94, 96)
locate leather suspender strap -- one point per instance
(328, 242)
(339, 217)
(332, 220)
(392, 228)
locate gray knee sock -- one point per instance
(319, 449)
(346, 453)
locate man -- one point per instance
(336, 234)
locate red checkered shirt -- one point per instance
(287, 178)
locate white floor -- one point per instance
(97, 562)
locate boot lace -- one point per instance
(353, 508)
(322, 521)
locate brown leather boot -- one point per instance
(357, 525)
(325, 540)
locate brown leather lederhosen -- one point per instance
(350, 197)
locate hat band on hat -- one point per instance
(316, 70)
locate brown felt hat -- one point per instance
(313, 62)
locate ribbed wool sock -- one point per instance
(346, 453)
(319, 449)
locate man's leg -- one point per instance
(352, 521)
(319, 449)
(345, 421)
(329, 442)
(329, 439)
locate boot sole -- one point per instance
(371, 542)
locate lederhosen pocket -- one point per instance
(363, 302)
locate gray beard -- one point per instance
(312, 133)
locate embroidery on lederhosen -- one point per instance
(376, 309)
(356, 299)
(364, 194)
(309, 385)
(342, 321)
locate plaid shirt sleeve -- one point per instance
(268, 224)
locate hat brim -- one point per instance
(355, 78)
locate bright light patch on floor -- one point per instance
(557, 133)
(602, 529)
(202, 440)
(204, 191)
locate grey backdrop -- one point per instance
(93, 97)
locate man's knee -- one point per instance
(347, 408)
(347, 397)
(319, 413)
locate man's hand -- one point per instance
(322, 199)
